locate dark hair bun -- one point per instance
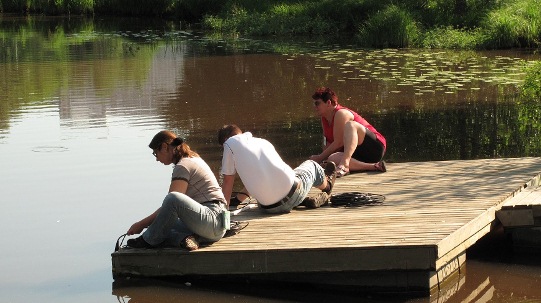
(177, 141)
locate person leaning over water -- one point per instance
(350, 140)
(192, 210)
(275, 185)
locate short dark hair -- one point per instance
(227, 131)
(325, 94)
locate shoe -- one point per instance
(330, 174)
(190, 243)
(329, 168)
(380, 166)
(321, 199)
(235, 201)
(138, 242)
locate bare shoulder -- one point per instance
(344, 115)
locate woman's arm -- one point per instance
(340, 118)
(138, 226)
(178, 186)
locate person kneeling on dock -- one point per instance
(193, 211)
(275, 185)
(349, 140)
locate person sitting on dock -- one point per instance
(193, 210)
(350, 140)
(274, 184)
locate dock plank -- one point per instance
(432, 213)
(523, 209)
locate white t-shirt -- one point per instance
(262, 171)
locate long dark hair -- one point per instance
(181, 149)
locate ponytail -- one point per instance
(177, 141)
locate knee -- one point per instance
(172, 197)
(350, 129)
(354, 127)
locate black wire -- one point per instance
(356, 199)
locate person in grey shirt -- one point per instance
(193, 210)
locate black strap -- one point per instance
(356, 199)
(296, 184)
(235, 228)
(119, 242)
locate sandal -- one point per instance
(380, 166)
(341, 171)
(189, 243)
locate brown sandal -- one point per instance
(189, 243)
(380, 166)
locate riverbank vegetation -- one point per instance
(531, 89)
(460, 24)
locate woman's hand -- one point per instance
(136, 228)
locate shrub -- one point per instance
(390, 27)
(515, 25)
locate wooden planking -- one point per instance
(419, 209)
(523, 209)
(433, 212)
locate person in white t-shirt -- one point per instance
(273, 183)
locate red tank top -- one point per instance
(328, 126)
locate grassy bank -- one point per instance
(464, 24)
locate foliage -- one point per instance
(471, 24)
(449, 37)
(50, 7)
(531, 89)
(517, 24)
(391, 27)
(280, 19)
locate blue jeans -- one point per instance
(181, 216)
(310, 174)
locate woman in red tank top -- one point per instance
(350, 140)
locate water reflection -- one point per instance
(478, 282)
(431, 105)
(80, 100)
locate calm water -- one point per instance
(80, 101)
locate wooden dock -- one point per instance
(521, 218)
(415, 241)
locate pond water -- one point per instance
(81, 99)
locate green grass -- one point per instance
(390, 27)
(460, 24)
(517, 24)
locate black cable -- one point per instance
(356, 199)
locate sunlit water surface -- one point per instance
(80, 102)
